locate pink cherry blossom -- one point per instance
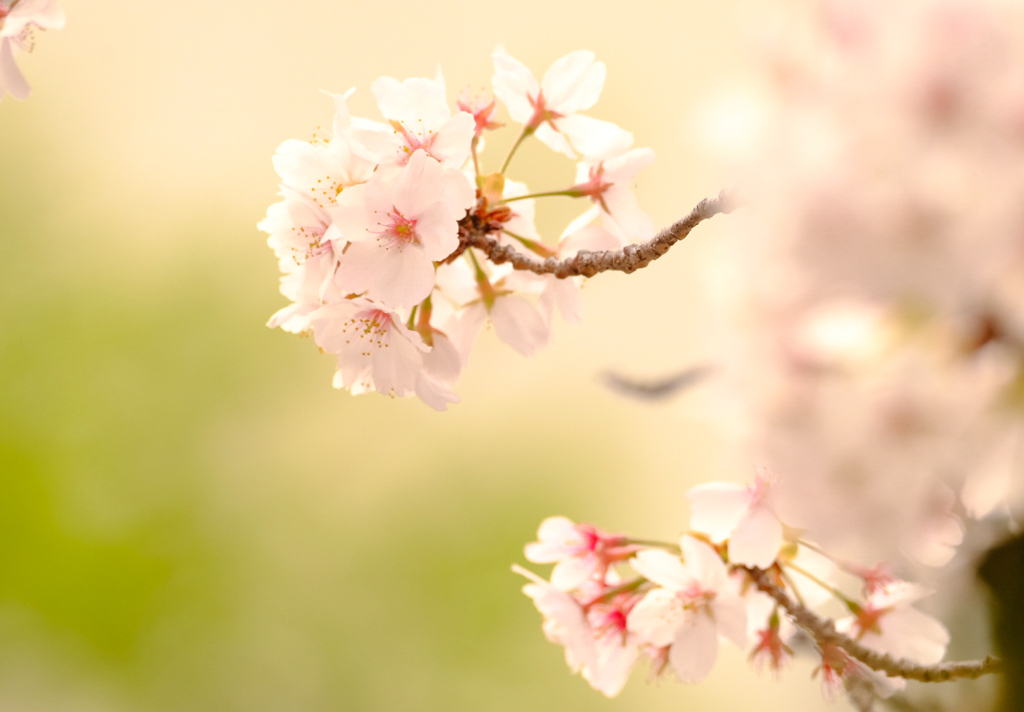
(565, 621)
(887, 623)
(496, 299)
(692, 605)
(375, 351)
(17, 20)
(572, 84)
(419, 119)
(482, 107)
(617, 648)
(743, 515)
(397, 225)
(580, 552)
(770, 651)
(320, 171)
(609, 184)
(592, 625)
(442, 366)
(297, 226)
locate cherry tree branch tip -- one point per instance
(824, 632)
(585, 263)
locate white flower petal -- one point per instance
(662, 568)
(573, 83)
(11, 78)
(571, 572)
(656, 617)
(513, 83)
(615, 661)
(704, 564)
(716, 508)
(730, 616)
(757, 539)
(694, 648)
(593, 138)
(519, 324)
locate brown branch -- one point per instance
(586, 263)
(825, 633)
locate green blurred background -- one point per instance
(190, 517)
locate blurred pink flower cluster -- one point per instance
(18, 20)
(613, 600)
(880, 289)
(368, 231)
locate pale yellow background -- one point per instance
(190, 517)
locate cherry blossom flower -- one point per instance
(17, 20)
(482, 107)
(770, 651)
(887, 623)
(572, 84)
(375, 351)
(592, 625)
(692, 605)
(743, 515)
(617, 648)
(608, 184)
(580, 552)
(494, 299)
(309, 287)
(565, 621)
(398, 224)
(442, 366)
(419, 119)
(841, 672)
(321, 171)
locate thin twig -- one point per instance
(824, 632)
(586, 263)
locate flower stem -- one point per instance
(567, 192)
(650, 542)
(796, 592)
(621, 588)
(527, 131)
(532, 245)
(473, 152)
(817, 549)
(831, 589)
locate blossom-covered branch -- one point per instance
(389, 235)
(824, 633)
(585, 263)
(740, 575)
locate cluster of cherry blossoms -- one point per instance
(373, 231)
(737, 575)
(18, 21)
(881, 278)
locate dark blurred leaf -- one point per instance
(657, 388)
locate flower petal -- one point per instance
(694, 648)
(573, 83)
(662, 568)
(756, 541)
(656, 617)
(716, 508)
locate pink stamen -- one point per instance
(413, 142)
(398, 229)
